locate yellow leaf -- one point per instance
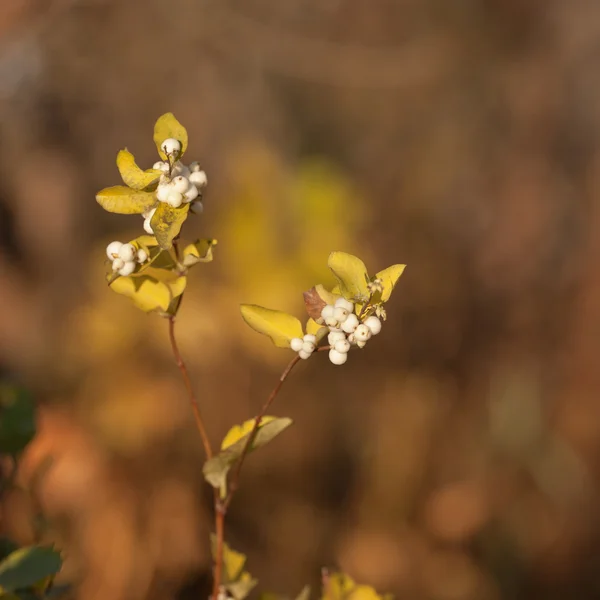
(167, 222)
(132, 175)
(147, 293)
(237, 432)
(167, 126)
(279, 326)
(122, 200)
(200, 251)
(325, 295)
(351, 275)
(232, 561)
(314, 328)
(389, 278)
(342, 587)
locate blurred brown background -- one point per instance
(458, 457)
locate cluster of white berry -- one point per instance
(125, 257)
(179, 184)
(345, 331)
(304, 346)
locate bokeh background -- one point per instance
(458, 456)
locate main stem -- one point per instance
(188, 386)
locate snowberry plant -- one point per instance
(152, 271)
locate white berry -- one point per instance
(308, 347)
(142, 256)
(342, 346)
(362, 333)
(181, 184)
(304, 355)
(337, 358)
(361, 344)
(327, 312)
(117, 264)
(199, 179)
(171, 146)
(161, 166)
(335, 336)
(191, 194)
(175, 199)
(296, 344)
(197, 207)
(127, 269)
(374, 324)
(162, 191)
(343, 303)
(194, 166)
(340, 314)
(180, 169)
(309, 337)
(112, 250)
(127, 252)
(350, 324)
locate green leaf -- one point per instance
(279, 326)
(167, 126)
(167, 222)
(389, 278)
(146, 292)
(122, 200)
(17, 419)
(351, 275)
(27, 566)
(132, 175)
(237, 432)
(215, 470)
(200, 251)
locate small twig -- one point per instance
(188, 385)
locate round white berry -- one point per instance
(343, 303)
(112, 250)
(361, 344)
(197, 207)
(373, 323)
(309, 337)
(335, 336)
(350, 324)
(117, 264)
(342, 346)
(296, 344)
(127, 252)
(142, 256)
(147, 227)
(171, 146)
(181, 184)
(161, 166)
(332, 323)
(340, 314)
(337, 358)
(175, 199)
(308, 347)
(191, 194)
(162, 191)
(304, 355)
(199, 179)
(127, 269)
(327, 312)
(362, 333)
(180, 169)
(194, 166)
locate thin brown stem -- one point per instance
(233, 484)
(220, 512)
(188, 386)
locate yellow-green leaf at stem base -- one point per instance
(122, 200)
(342, 587)
(317, 330)
(351, 274)
(132, 175)
(233, 561)
(167, 222)
(389, 277)
(200, 251)
(167, 126)
(27, 566)
(279, 326)
(241, 588)
(215, 470)
(237, 432)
